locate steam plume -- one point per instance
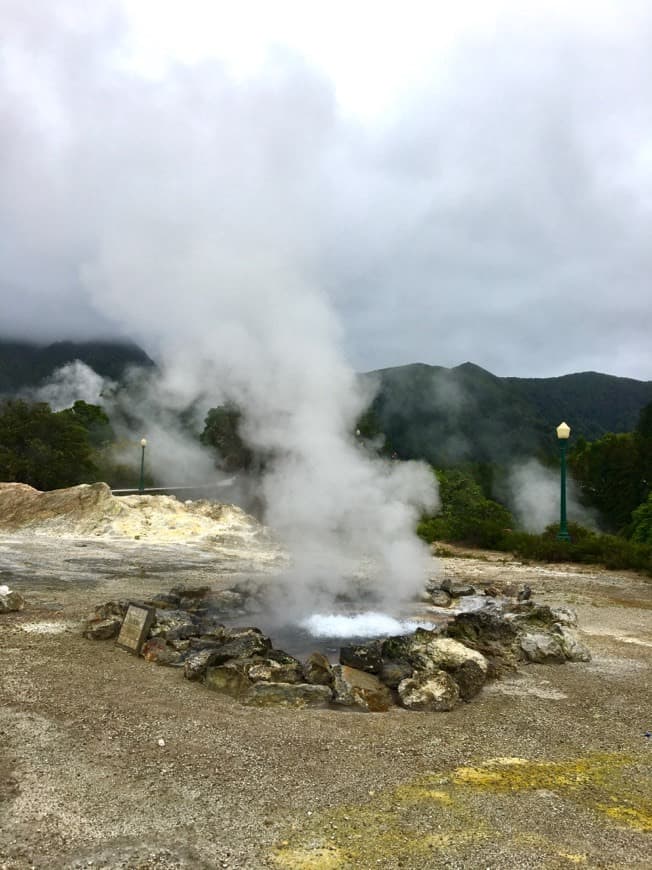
(187, 221)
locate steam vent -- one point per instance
(432, 669)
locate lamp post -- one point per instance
(141, 482)
(563, 434)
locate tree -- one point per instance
(614, 474)
(44, 449)
(222, 432)
(466, 515)
(94, 419)
(642, 523)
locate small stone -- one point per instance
(161, 742)
(10, 601)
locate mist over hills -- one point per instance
(447, 416)
(25, 364)
(466, 414)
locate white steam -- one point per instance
(360, 625)
(535, 495)
(187, 211)
(72, 382)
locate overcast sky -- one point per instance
(467, 181)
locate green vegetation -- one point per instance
(466, 422)
(468, 415)
(222, 433)
(466, 515)
(615, 472)
(44, 449)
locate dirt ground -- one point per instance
(547, 768)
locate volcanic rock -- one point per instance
(440, 598)
(488, 632)
(197, 662)
(573, 649)
(111, 608)
(10, 601)
(229, 678)
(102, 629)
(164, 601)
(354, 688)
(157, 650)
(317, 670)
(542, 648)
(564, 615)
(432, 692)
(174, 624)
(243, 643)
(393, 671)
(364, 656)
(457, 590)
(225, 601)
(272, 694)
(276, 667)
(468, 667)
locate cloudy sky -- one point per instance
(467, 181)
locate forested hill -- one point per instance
(26, 365)
(467, 414)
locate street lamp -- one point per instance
(563, 434)
(141, 482)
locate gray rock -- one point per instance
(157, 650)
(468, 667)
(428, 651)
(229, 678)
(564, 615)
(11, 601)
(174, 625)
(573, 649)
(244, 644)
(286, 695)
(117, 609)
(225, 601)
(102, 629)
(276, 667)
(431, 692)
(488, 632)
(440, 598)
(542, 648)
(317, 670)
(197, 662)
(354, 688)
(363, 656)
(164, 601)
(393, 671)
(457, 589)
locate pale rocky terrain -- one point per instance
(109, 761)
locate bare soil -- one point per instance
(108, 761)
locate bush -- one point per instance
(466, 516)
(585, 546)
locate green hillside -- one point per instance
(23, 364)
(466, 414)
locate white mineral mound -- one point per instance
(91, 510)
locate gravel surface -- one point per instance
(547, 768)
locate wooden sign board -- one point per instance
(135, 627)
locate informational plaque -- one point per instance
(135, 627)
